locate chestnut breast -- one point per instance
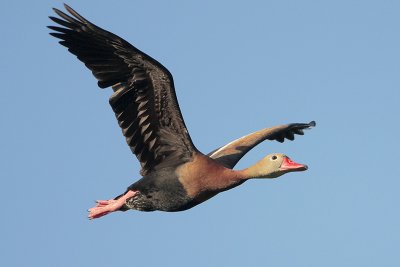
(203, 178)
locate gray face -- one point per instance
(277, 164)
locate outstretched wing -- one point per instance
(231, 153)
(144, 99)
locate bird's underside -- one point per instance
(176, 176)
(227, 155)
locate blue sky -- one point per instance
(238, 67)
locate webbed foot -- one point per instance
(105, 207)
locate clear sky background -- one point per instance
(238, 66)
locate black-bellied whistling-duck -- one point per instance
(176, 176)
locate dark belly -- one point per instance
(163, 192)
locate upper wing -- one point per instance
(231, 153)
(144, 99)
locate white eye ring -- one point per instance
(274, 157)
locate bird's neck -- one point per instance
(236, 177)
(233, 178)
(254, 171)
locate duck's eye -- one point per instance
(274, 157)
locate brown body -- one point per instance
(183, 187)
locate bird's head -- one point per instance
(275, 165)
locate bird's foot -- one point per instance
(105, 207)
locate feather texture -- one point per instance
(144, 99)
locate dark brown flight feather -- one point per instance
(144, 99)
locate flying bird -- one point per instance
(176, 176)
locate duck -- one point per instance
(175, 175)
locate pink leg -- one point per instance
(104, 207)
